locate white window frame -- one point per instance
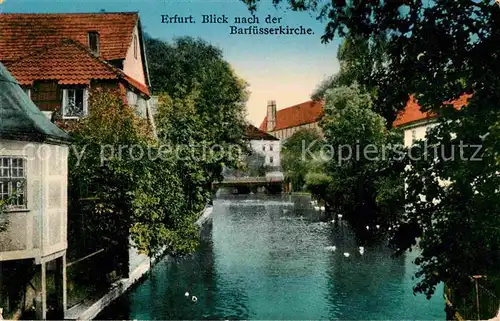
(65, 103)
(9, 179)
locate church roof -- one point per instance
(20, 118)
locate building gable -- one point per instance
(22, 34)
(134, 64)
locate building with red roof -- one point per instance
(57, 58)
(285, 122)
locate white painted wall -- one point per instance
(418, 131)
(133, 66)
(41, 229)
(270, 149)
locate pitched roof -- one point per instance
(301, 114)
(21, 34)
(69, 63)
(412, 113)
(20, 119)
(253, 133)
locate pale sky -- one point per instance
(284, 68)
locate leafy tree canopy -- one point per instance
(437, 51)
(119, 174)
(358, 146)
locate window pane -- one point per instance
(13, 183)
(4, 190)
(4, 167)
(79, 98)
(17, 167)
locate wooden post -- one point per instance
(64, 286)
(1, 287)
(41, 296)
(60, 283)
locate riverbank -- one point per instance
(91, 307)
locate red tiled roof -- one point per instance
(301, 114)
(69, 63)
(21, 34)
(412, 112)
(253, 133)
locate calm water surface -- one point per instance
(268, 259)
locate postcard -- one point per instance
(249, 160)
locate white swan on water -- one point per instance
(361, 250)
(186, 294)
(316, 208)
(346, 254)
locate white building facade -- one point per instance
(270, 149)
(33, 185)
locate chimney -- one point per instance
(271, 115)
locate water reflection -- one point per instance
(268, 258)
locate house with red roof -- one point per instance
(285, 122)
(415, 123)
(58, 58)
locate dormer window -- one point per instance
(94, 42)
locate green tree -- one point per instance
(194, 71)
(122, 183)
(358, 162)
(316, 179)
(296, 155)
(365, 61)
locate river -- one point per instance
(267, 258)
